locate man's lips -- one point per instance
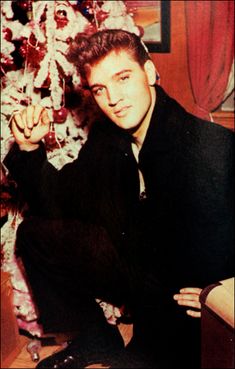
(122, 111)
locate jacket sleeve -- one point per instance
(212, 205)
(25, 169)
(47, 191)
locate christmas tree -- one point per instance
(35, 37)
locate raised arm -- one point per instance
(47, 191)
(27, 162)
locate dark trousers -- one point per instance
(69, 264)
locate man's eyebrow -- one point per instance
(121, 72)
(115, 75)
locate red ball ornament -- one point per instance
(101, 15)
(69, 40)
(87, 4)
(50, 139)
(60, 116)
(7, 34)
(23, 4)
(61, 18)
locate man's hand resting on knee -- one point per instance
(189, 296)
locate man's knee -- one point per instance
(27, 231)
(26, 227)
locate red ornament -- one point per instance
(23, 50)
(50, 139)
(61, 23)
(60, 116)
(35, 55)
(33, 50)
(23, 4)
(7, 34)
(69, 40)
(101, 15)
(32, 39)
(61, 18)
(87, 4)
(8, 64)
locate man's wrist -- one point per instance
(28, 146)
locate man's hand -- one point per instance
(29, 126)
(189, 296)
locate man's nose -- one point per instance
(114, 96)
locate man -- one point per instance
(145, 210)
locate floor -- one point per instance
(23, 360)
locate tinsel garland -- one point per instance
(24, 307)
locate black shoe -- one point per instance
(73, 357)
(97, 347)
(66, 358)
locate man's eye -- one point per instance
(98, 91)
(124, 78)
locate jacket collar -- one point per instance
(164, 129)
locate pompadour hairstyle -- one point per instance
(85, 51)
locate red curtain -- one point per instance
(210, 45)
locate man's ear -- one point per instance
(151, 73)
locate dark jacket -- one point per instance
(184, 229)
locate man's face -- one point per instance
(122, 89)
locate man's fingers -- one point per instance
(27, 131)
(194, 314)
(189, 296)
(19, 122)
(17, 119)
(16, 130)
(191, 303)
(191, 290)
(185, 296)
(29, 116)
(37, 115)
(30, 125)
(44, 117)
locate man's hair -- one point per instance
(86, 51)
